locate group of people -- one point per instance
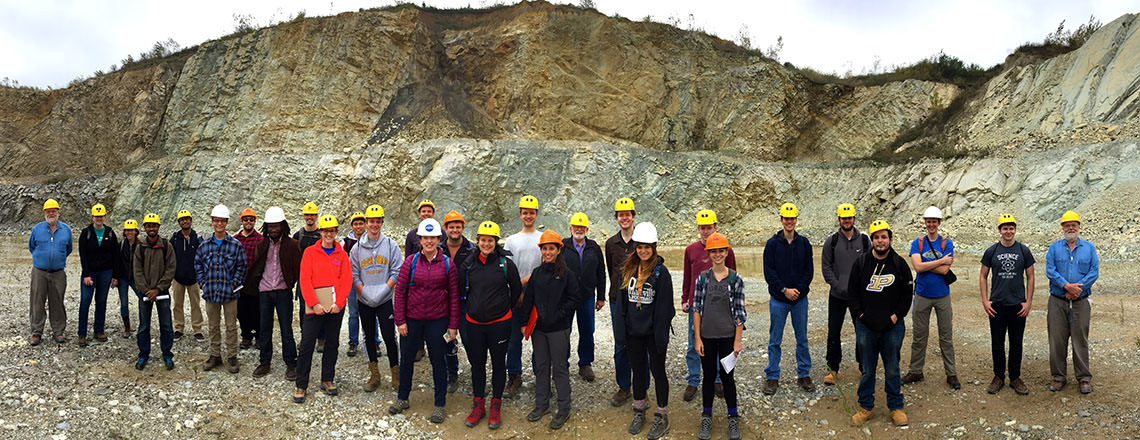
(494, 293)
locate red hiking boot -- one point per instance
(476, 415)
(494, 420)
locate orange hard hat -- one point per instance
(453, 216)
(550, 237)
(248, 212)
(716, 241)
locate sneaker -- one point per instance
(620, 397)
(829, 379)
(211, 363)
(770, 386)
(140, 364)
(587, 374)
(861, 416)
(477, 412)
(351, 350)
(437, 415)
(261, 370)
(245, 343)
(995, 385)
(912, 378)
(705, 431)
(81, 341)
(514, 381)
(290, 373)
(660, 426)
(690, 393)
(299, 395)
(330, 388)
(320, 348)
(718, 390)
(233, 365)
(806, 384)
(101, 337)
(637, 423)
(734, 428)
(1019, 387)
(199, 337)
(899, 417)
(168, 363)
(398, 407)
(177, 335)
(494, 416)
(536, 414)
(452, 384)
(35, 340)
(1086, 387)
(559, 419)
(953, 382)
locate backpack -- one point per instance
(412, 275)
(863, 239)
(941, 242)
(467, 276)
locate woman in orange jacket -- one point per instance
(326, 279)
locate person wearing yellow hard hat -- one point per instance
(695, 261)
(185, 242)
(98, 251)
(523, 251)
(838, 252)
(325, 281)
(221, 267)
(880, 291)
(276, 267)
(788, 270)
(50, 245)
(248, 304)
(587, 262)
(124, 272)
(718, 321)
(375, 261)
(154, 267)
(307, 236)
(357, 226)
(1073, 266)
(618, 248)
(458, 248)
(1007, 303)
(424, 210)
(931, 256)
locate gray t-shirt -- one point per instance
(524, 251)
(717, 321)
(1007, 266)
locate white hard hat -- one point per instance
(932, 212)
(274, 215)
(429, 228)
(220, 211)
(645, 233)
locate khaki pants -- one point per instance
(1061, 330)
(47, 287)
(214, 315)
(920, 324)
(180, 292)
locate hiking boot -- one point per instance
(420, 355)
(830, 378)
(395, 377)
(559, 419)
(705, 431)
(290, 373)
(806, 384)
(587, 374)
(477, 412)
(733, 427)
(199, 337)
(398, 407)
(168, 363)
(495, 416)
(320, 348)
(373, 379)
(211, 363)
(177, 335)
(861, 416)
(1019, 387)
(245, 343)
(536, 414)
(620, 397)
(140, 364)
(770, 386)
(660, 426)
(637, 423)
(514, 381)
(351, 350)
(299, 395)
(1057, 385)
(1086, 387)
(233, 363)
(995, 385)
(437, 415)
(101, 337)
(330, 388)
(718, 390)
(912, 378)
(59, 339)
(690, 393)
(126, 328)
(899, 417)
(35, 340)
(953, 382)
(81, 341)
(452, 383)
(261, 370)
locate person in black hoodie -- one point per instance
(881, 290)
(98, 255)
(124, 271)
(552, 294)
(489, 286)
(185, 242)
(644, 321)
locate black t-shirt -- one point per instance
(1007, 266)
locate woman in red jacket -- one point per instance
(326, 279)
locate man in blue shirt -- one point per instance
(50, 244)
(931, 255)
(1072, 266)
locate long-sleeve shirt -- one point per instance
(589, 265)
(50, 248)
(220, 269)
(325, 269)
(1079, 265)
(374, 263)
(788, 266)
(249, 244)
(837, 256)
(879, 289)
(96, 253)
(697, 261)
(617, 252)
(431, 293)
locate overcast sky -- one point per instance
(51, 42)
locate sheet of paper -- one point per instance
(157, 298)
(729, 362)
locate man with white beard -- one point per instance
(50, 244)
(1072, 266)
(584, 259)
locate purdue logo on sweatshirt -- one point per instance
(880, 282)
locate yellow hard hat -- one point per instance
(98, 210)
(789, 210)
(374, 211)
(878, 225)
(152, 218)
(328, 221)
(424, 203)
(310, 208)
(706, 217)
(528, 202)
(623, 204)
(356, 216)
(1070, 216)
(488, 228)
(579, 219)
(1006, 218)
(51, 204)
(845, 210)
(130, 224)
(181, 214)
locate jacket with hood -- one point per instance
(590, 268)
(489, 288)
(185, 248)
(95, 255)
(154, 266)
(374, 262)
(837, 256)
(879, 289)
(654, 319)
(553, 298)
(788, 266)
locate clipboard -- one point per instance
(325, 296)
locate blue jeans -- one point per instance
(778, 312)
(692, 360)
(873, 345)
(101, 283)
(420, 332)
(514, 348)
(353, 319)
(585, 316)
(623, 373)
(124, 302)
(165, 327)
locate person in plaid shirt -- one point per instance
(249, 318)
(220, 266)
(718, 324)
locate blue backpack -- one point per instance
(412, 275)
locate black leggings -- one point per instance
(383, 314)
(715, 350)
(479, 340)
(643, 356)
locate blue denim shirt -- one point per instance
(1080, 265)
(50, 249)
(220, 269)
